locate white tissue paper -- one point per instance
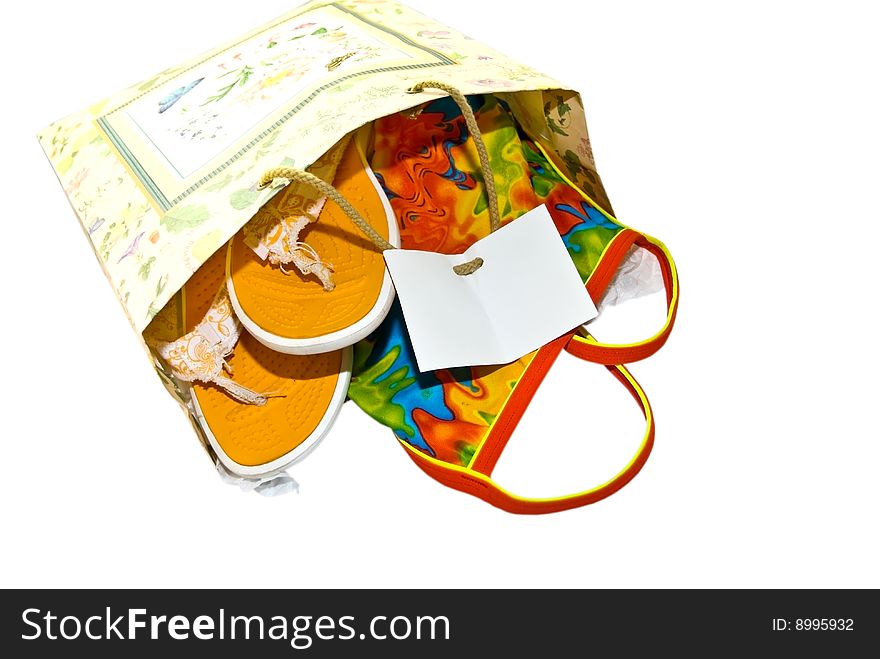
(638, 275)
(267, 486)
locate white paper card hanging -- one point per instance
(527, 293)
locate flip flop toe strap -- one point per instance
(200, 355)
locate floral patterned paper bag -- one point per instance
(162, 174)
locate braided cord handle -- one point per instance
(301, 176)
(471, 122)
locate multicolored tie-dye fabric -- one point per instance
(429, 168)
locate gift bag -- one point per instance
(240, 203)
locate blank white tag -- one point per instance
(527, 293)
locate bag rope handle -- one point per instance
(471, 122)
(291, 174)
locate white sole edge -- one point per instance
(334, 340)
(340, 394)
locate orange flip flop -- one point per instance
(261, 411)
(316, 310)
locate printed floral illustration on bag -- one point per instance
(191, 122)
(258, 77)
(153, 228)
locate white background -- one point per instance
(745, 137)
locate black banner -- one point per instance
(313, 623)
